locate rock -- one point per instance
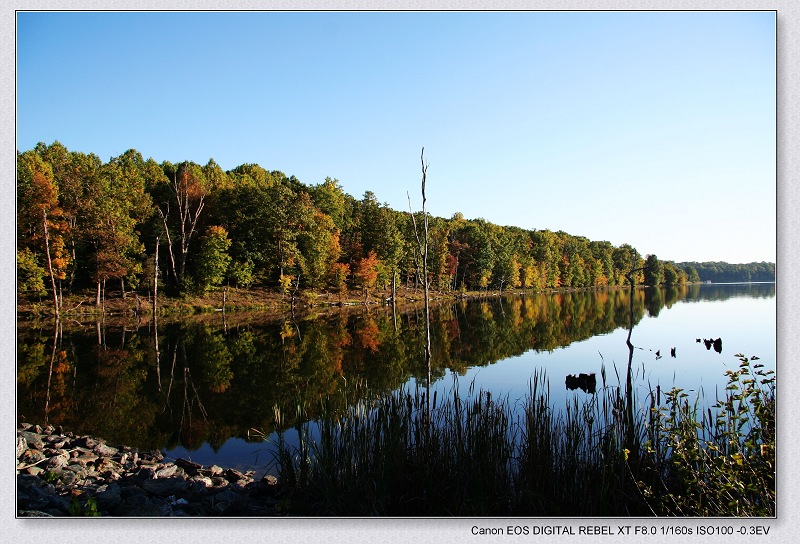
(108, 496)
(167, 472)
(86, 442)
(190, 467)
(31, 457)
(79, 470)
(55, 463)
(33, 493)
(22, 445)
(164, 487)
(68, 478)
(219, 481)
(127, 491)
(85, 458)
(105, 451)
(225, 502)
(137, 505)
(125, 482)
(199, 487)
(146, 473)
(233, 475)
(34, 440)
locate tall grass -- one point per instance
(410, 455)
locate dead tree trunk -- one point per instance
(155, 279)
(50, 264)
(422, 248)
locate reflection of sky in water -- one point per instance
(745, 325)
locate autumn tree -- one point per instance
(41, 227)
(75, 175)
(367, 273)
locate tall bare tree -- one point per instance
(422, 250)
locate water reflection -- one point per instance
(586, 382)
(205, 380)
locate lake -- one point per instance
(206, 387)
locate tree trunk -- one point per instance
(50, 264)
(155, 280)
(169, 243)
(394, 286)
(422, 247)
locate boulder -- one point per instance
(164, 487)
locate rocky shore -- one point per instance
(61, 474)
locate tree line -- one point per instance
(187, 228)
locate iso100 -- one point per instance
(714, 530)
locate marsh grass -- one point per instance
(473, 454)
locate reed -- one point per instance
(477, 455)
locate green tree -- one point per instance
(654, 271)
(30, 275)
(212, 259)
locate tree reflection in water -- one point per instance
(168, 383)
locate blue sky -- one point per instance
(650, 128)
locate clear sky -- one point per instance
(651, 128)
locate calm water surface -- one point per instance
(201, 387)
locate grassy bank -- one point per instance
(613, 455)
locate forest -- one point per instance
(83, 224)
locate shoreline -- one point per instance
(61, 474)
(263, 301)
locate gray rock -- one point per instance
(68, 478)
(30, 457)
(127, 491)
(167, 472)
(137, 505)
(22, 445)
(86, 442)
(108, 496)
(190, 467)
(146, 473)
(105, 451)
(218, 481)
(225, 502)
(79, 470)
(55, 463)
(107, 465)
(85, 458)
(233, 475)
(34, 440)
(164, 487)
(199, 487)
